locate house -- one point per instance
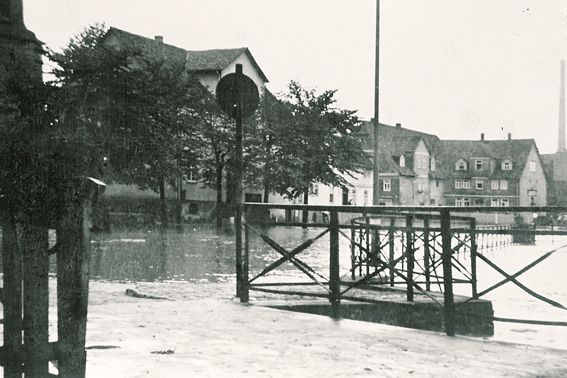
(408, 168)
(209, 66)
(496, 173)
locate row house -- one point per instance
(496, 173)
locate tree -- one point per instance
(140, 99)
(308, 140)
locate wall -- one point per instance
(535, 180)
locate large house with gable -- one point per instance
(495, 173)
(408, 168)
(209, 66)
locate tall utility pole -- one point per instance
(561, 136)
(376, 168)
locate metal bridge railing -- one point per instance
(390, 245)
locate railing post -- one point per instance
(392, 249)
(473, 258)
(369, 250)
(410, 257)
(426, 254)
(245, 289)
(335, 284)
(353, 253)
(447, 273)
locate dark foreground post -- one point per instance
(447, 273)
(73, 259)
(335, 284)
(36, 299)
(11, 295)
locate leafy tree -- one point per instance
(307, 140)
(140, 99)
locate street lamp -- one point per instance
(532, 193)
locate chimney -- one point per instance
(561, 136)
(159, 38)
(509, 136)
(481, 136)
(399, 125)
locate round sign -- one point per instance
(237, 93)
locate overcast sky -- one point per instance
(454, 68)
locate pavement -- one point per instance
(201, 330)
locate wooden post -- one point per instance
(473, 258)
(73, 260)
(36, 299)
(426, 253)
(334, 274)
(245, 293)
(11, 296)
(410, 257)
(447, 273)
(392, 249)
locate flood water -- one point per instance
(202, 254)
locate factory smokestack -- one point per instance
(561, 139)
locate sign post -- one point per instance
(238, 96)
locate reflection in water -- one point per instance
(197, 253)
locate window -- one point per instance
(436, 183)
(353, 193)
(432, 164)
(419, 163)
(387, 185)
(432, 201)
(459, 202)
(466, 202)
(506, 165)
(505, 202)
(478, 165)
(504, 184)
(331, 197)
(494, 202)
(532, 166)
(461, 165)
(365, 197)
(466, 184)
(479, 184)
(402, 161)
(458, 184)
(314, 189)
(193, 174)
(493, 184)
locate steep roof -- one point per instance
(394, 139)
(197, 61)
(516, 150)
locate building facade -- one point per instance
(500, 173)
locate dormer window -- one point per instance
(461, 165)
(478, 165)
(506, 165)
(402, 161)
(432, 164)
